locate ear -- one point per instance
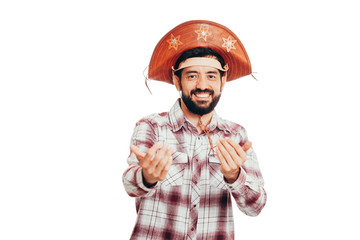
(223, 81)
(176, 81)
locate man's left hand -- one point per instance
(231, 156)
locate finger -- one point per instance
(139, 154)
(162, 163)
(230, 162)
(222, 160)
(235, 145)
(149, 155)
(158, 157)
(231, 156)
(165, 169)
(247, 146)
(239, 150)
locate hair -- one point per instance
(198, 52)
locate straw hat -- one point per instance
(199, 33)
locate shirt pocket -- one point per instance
(175, 175)
(216, 178)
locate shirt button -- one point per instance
(194, 206)
(199, 138)
(192, 229)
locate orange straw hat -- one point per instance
(199, 33)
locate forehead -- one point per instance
(200, 69)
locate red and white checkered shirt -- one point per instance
(194, 201)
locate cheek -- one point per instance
(216, 87)
(187, 87)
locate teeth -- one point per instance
(202, 95)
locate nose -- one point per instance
(202, 83)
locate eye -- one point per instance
(192, 77)
(212, 77)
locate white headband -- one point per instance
(201, 61)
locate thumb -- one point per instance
(139, 154)
(247, 146)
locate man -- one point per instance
(186, 164)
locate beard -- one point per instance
(194, 107)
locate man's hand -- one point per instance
(231, 157)
(155, 163)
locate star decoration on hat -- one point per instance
(203, 32)
(229, 43)
(174, 42)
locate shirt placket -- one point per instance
(196, 162)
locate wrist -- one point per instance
(148, 183)
(232, 178)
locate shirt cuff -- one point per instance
(139, 180)
(239, 182)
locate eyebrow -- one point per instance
(191, 72)
(209, 72)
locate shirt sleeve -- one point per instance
(248, 189)
(144, 137)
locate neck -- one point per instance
(194, 118)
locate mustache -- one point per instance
(194, 91)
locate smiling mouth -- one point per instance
(202, 95)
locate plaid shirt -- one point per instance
(194, 201)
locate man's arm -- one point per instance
(242, 173)
(148, 162)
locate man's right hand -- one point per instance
(155, 165)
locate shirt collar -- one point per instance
(218, 122)
(178, 119)
(176, 116)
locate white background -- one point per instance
(72, 89)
